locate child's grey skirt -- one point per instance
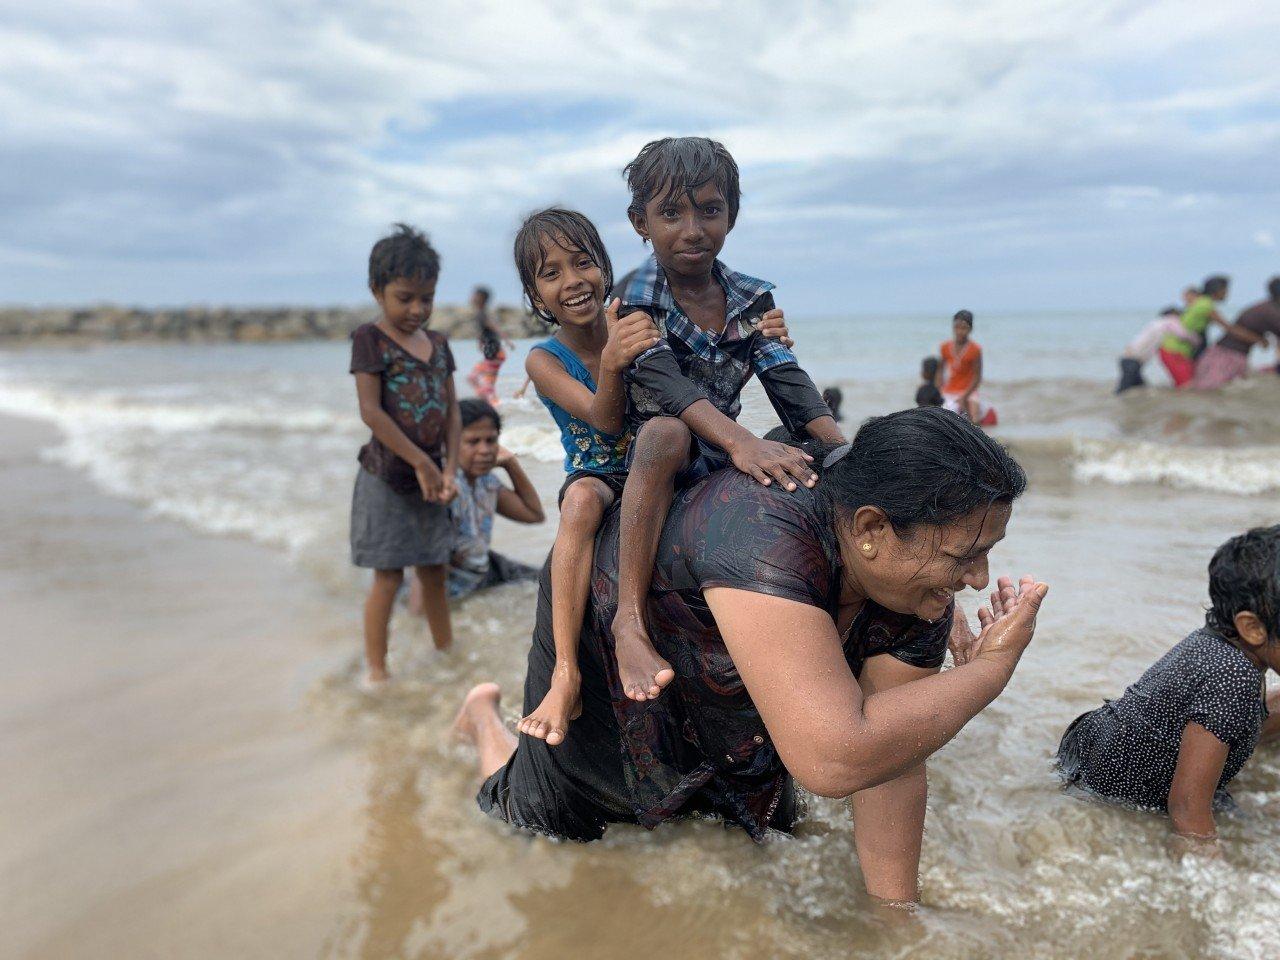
(390, 531)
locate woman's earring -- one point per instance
(866, 548)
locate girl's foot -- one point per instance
(550, 721)
(375, 682)
(641, 671)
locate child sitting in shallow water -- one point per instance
(1181, 733)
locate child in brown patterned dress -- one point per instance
(404, 383)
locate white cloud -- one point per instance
(259, 133)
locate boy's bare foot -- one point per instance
(483, 697)
(550, 721)
(641, 671)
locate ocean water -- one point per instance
(1128, 498)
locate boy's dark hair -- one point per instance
(920, 466)
(1215, 285)
(965, 316)
(674, 165)
(929, 368)
(556, 223)
(1273, 288)
(1244, 576)
(928, 395)
(473, 409)
(483, 293)
(406, 254)
(1170, 310)
(833, 397)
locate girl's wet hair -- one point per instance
(567, 229)
(664, 168)
(474, 409)
(1244, 576)
(922, 467)
(406, 254)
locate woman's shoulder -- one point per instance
(738, 533)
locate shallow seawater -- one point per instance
(1128, 498)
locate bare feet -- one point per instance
(481, 699)
(641, 671)
(563, 702)
(375, 681)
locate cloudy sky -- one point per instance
(897, 155)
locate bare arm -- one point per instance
(1271, 725)
(523, 505)
(369, 396)
(833, 740)
(1200, 760)
(977, 381)
(606, 408)
(888, 820)
(452, 441)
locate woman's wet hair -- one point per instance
(674, 165)
(1273, 289)
(923, 467)
(474, 409)
(1244, 577)
(964, 316)
(406, 254)
(1215, 285)
(567, 229)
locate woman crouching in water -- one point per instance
(807, 630)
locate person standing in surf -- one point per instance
(962, 373)
(484, 375)
(404, 385)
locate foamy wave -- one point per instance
(541, 443)
(1243, 470)
(119, 409)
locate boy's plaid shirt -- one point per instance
(647, 288)
(689, 365)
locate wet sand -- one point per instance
(165, 791)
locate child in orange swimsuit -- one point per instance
(962, 365)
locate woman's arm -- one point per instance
(833, 740)
(369, 395)
(521, 504)
(888, 820)
(1200, 760)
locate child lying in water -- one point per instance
(1181, 733)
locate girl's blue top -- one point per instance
(585, 447)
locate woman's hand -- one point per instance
(962, 639)
(1009, 622)
(629, 337)
(774, 326)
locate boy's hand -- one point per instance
(774, 326)
(629, 337)
(768, 461)
(430, 480)
(505, 458)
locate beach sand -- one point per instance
(165, 791)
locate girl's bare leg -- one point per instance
(435, 604)
(377, 615)
(478, 721)
(580, 514)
